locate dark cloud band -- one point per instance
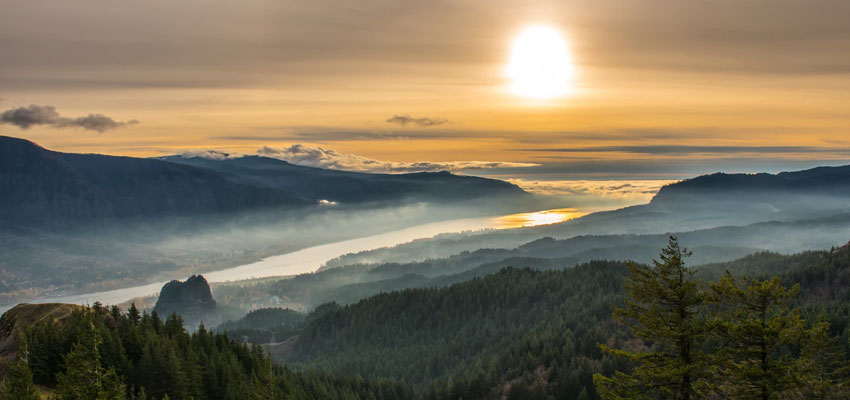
(405, 120)
(26, 117)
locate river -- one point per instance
(310, 259)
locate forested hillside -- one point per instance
(266, 325)
(47, 189)
(516, 333)
(97, 353)
(525, 332)
(427, 335)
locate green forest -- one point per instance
(766, 326)
(544, 334)
(107, 354)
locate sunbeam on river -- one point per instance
(537, 218)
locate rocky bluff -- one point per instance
(191, 299)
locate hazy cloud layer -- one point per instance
(760, 72)
(328, 158)
(405, 120)
(321, 133)
(208, 154)
(26, 117)
(202, 46)
(621, 189)
(674, 150)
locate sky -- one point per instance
(658, 89)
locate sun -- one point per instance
(540, 65)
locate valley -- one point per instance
(408, 200)
(306, 260)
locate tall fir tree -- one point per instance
(133, 313)
(84, 377)
(19, 384)
(664, 308)
(826, 366)
(756, 330)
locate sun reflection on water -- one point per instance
(537, 218)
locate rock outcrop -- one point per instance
(192, 300)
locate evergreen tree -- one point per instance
(172, 362)
(133, 313)
(756, 329)
(115, 312)
(827, 369)
(80, 381)
(19, 384)
(174, 325)
(111, 387)
(84, 378)
(664, 308)
(141, 395)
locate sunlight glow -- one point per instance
(540, 65)
(545, 217)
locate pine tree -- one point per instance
(756, 328)
(174, 325)
(111, 387)
(19, 384)
(84, 378)
(665, 309)
(156, 322)
(827, 370)
(80, 381)
(133, 313)
(115, 312)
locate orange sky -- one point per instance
(662, 89)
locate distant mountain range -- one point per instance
(39, 187)
(209, 214)
(789, 211)
(826, 187)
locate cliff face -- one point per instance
(191, 299)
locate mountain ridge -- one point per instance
(48, 189)
(827, 181)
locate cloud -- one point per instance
(327, 158)
(591, 195)
(208, 154)
(296, 43)
(26, 117)
(319, 133)
(615, 189)
(404, 120)
(684, 150)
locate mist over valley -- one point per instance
(407, 200)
